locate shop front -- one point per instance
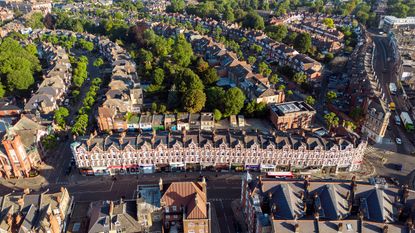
(208, 166)
(267, 167)
(162, 167)
(117, 170)
(192, 167)
(86, 171)
(252, 167)
(146, 168)
(222, 167)
(100, 171)
(133, 169)
(237, 167)
(177, 167)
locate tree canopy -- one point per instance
(254, 21)
(233, 102)
(302, 42)
(17, 65)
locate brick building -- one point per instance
(185, 208)
(377, 120)
(292, 115)
(217, 150)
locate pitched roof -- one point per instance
(189, 195)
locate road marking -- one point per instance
(226, 218)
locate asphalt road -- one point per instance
(385, 71)
(222, 188)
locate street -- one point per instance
(384, 69)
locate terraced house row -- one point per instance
(273, 50)
(216, 150)
(55, 84)
(232, 71)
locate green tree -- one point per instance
(217, 114)
(194, 100)
(35, 21)
(329, 22)
(256, 48)
(214, 97)
(176, 6)
(87, 45)
(278, 32)
(210, 76)
(17, 64)
(201, 65)
(98, 62)
(349, 125)
(79, 128)
(302, 42)
(264, 69)
(310, 100)
(158, 76)
(281, 87)
(289, 92)
(188, 81)
(254, 21)
(162, 108)
(251, 60)
(60, 115)
(182, 51)
(233, 102)
(331, 95)
(300, 78)
(154, 107)
(331, 120)
(20, 79)
(2, 91)
(274, 79)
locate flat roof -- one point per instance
(291, 107)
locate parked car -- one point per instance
(398, 141)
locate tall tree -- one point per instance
(233, 102)
(331, 119)
(254, 21)
(302, 42)
(194, 100)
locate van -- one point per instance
(397, 120)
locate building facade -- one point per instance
(377, 120)
(292, 115)
(217, 150)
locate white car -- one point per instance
(398, 141)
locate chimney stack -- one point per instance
(340, 227)
(204, 188)
(161, 184)
(297, 228)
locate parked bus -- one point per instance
(280, 175)
(407, 122)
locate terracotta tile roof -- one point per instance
(187, 194)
